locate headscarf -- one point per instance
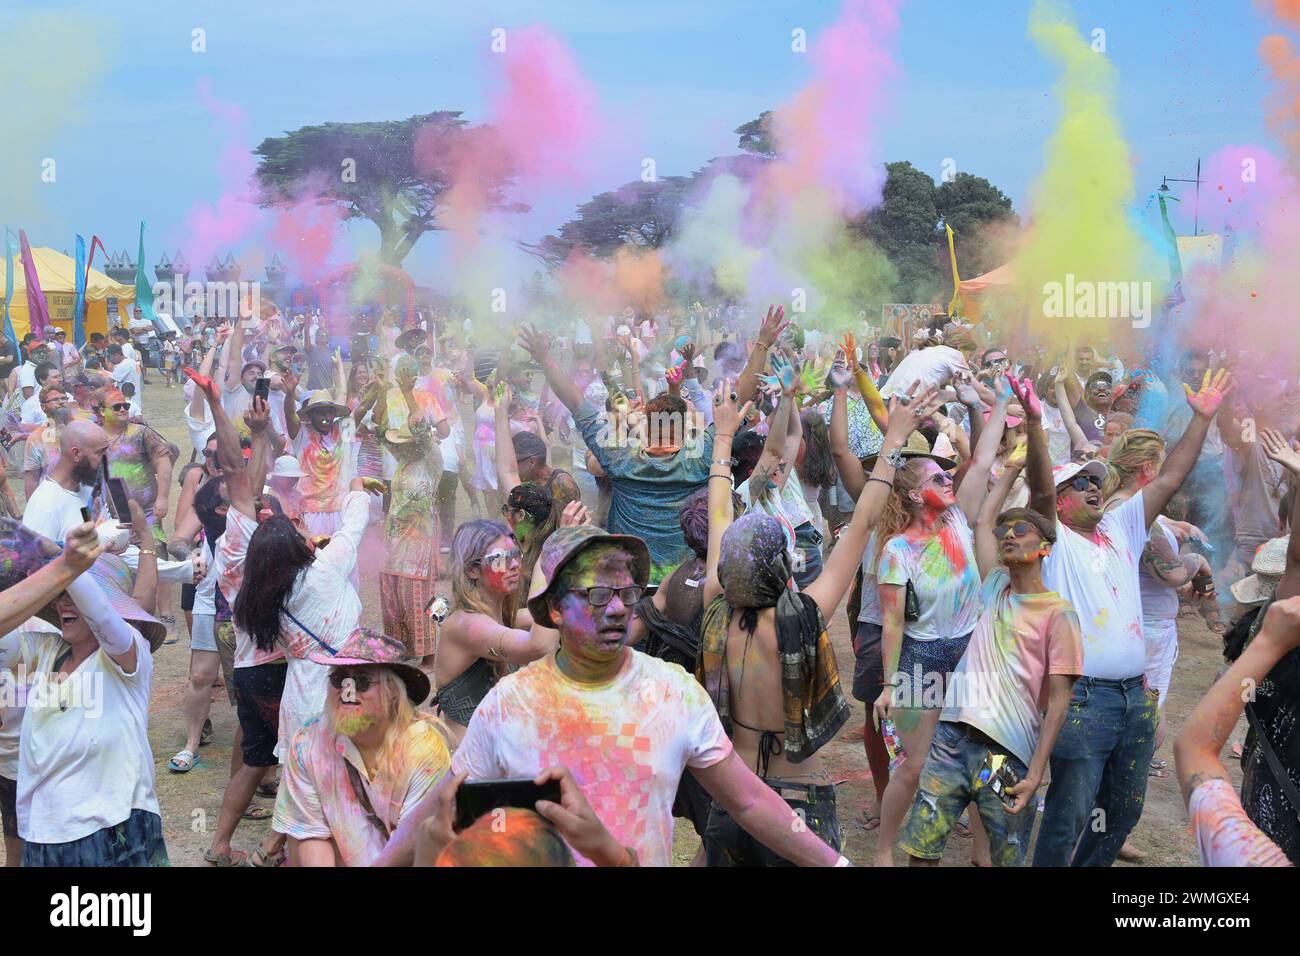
(754, 570)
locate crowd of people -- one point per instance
(611, 553)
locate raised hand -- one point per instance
(841, 373)
(966, 393)
(1023, 389)
(811, 376)
(258, 415)
(81, 546)
(906, 412)
(575, 513)
(850, 346)
(374, 486)
(773, 325)
(727, 416)
(203, 383)
(1279, 450)
(687, 353)
(1214, 389)
(782, 379)
(1019, 455)
(533, 341)
(673, 376)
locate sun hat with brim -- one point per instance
(116, 581)
(365, 646)
(565, 544)
(411, 339)
(1267, 568)
(286, 466)
(23, 552)
(918, 447)
(1063, 473)
(321, 400)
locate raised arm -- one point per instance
(205, 369)
(533, 341)
(986, 546)
(846, 463)
(867, 387)
(975, 485)
(145, 591)
(238, 486)
(22, 600)
(1178, 465)
(1077, 438)
(829, 588)
(727, 419)
(506, 460)
(232, 358)
(258, 419)
(772, 325)
(1279, 450)
(1042, 497)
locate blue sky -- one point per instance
(679, 75)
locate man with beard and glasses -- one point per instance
(54, 508)
(352, 774)
(1100, 762)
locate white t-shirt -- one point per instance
(123, 372)
(944, 574)
(27, 375)
(626, 742)
(788, 506)
(1100, 579)
(935, 365)
(85, 768)
(53, 511)
(31, 413)
(1058, 438)
(1159, 600)
(13, 692)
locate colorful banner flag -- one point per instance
(38, 311)
(956, 279)
(9, 289)
(143, 289)
(79, 303)
(1175, 260)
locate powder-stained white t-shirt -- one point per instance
(627, 741)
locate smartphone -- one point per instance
(86, 515)
(121, 501)
(999, 776)
(262, 389)
(477, 797)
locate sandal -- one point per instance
(263, 860)
(183, 762)
(1158, 773)
(205, 735)
(869, 820)
(257, 813)
(233, 858)
(268, 790)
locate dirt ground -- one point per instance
(191, 802)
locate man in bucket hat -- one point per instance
(624, 724)
(354, 773)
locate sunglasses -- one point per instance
(990, 362)
(1017, 528)
(361, 682)
(599, 597)
(501, 560)
(1084, 482)
(120, 407)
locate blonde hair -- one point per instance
(392, 760)
(1128, 453)
(898, 512)
(472, 541)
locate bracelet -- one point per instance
(724, 477)
(883, 481)
(725, 462)
(760, 345)
(148, 551)
(728, 437)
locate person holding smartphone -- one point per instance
(1023, 658)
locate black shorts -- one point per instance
(692, 803)
(869, 663)
(187, 597)
(726, 843)
(9, 806)
(258, 691)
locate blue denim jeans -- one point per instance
(949, 782)
(808, 542)
(1099, 772)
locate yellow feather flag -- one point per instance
(956, 279)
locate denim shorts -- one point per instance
(727, 844)
(927, 667)
(808, 544)
(136, 841)
(949, 782)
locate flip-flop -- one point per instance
(183, 762)
(257, 813)
(205, 735)
(869, 820)
(233, 858)
(1157, 773)
(1159, 764)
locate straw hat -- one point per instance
(321, 400)
(1269, 563)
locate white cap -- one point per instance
(1063, 473)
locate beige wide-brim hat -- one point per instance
(1267, 568)
(322, 400)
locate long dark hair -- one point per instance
(277, 554)
(818, 467)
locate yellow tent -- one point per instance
(57, 274)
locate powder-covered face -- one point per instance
(499, 576)
(595, 634)
(1024, 547)
(357, 710)
(934, 493)
(250, 377)
(322, 420)
(1079, 509)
